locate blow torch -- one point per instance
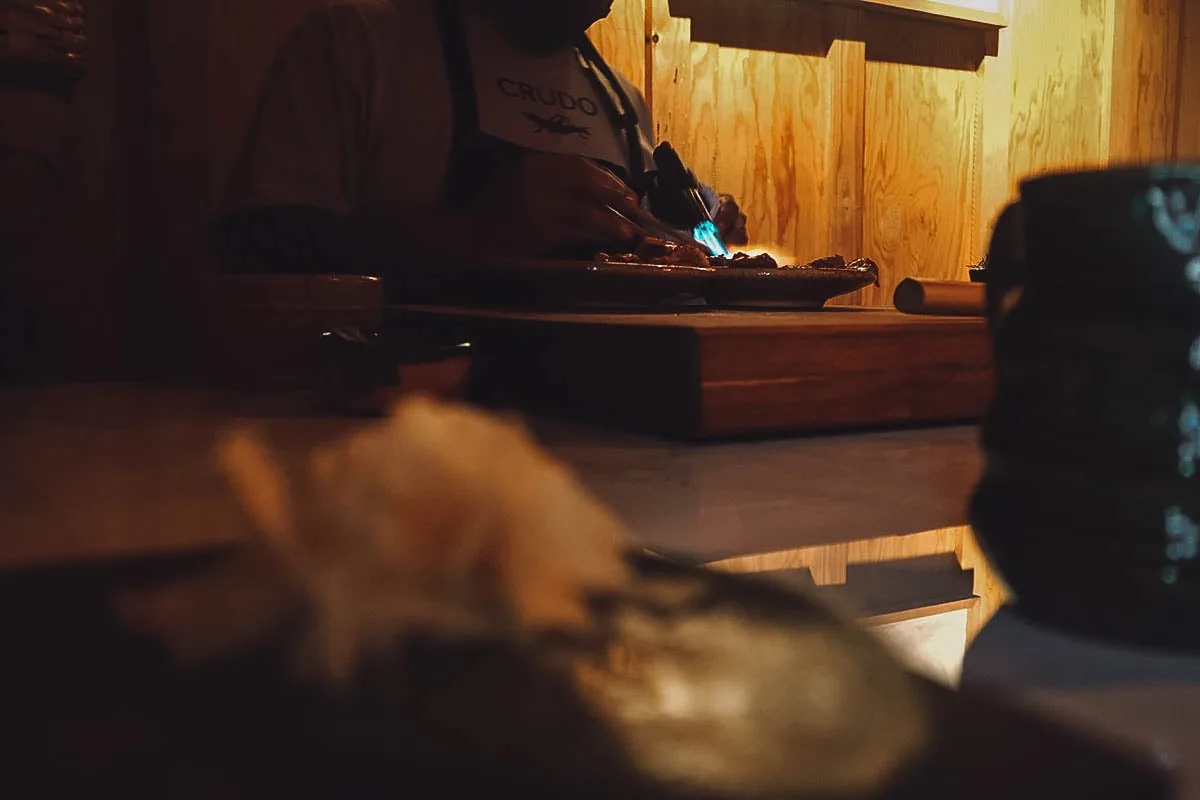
(675, 198)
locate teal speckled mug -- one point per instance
(1090, 501)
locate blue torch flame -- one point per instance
(706, 233)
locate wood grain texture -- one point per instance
(946, 11)
(990, 588)
(686, 88)
(949, 15)
(1187, 129)
(726, 374)
(919, 184)
(845, 135)
(827, 563)
(995, 131)
(772, 130)
(952, 119)
(843, 379)
(621, 39)
(1145, 81)
(671, 78)
(743, 93)
(698, 133)
(1061, 90)
(899, 548)
(836, 558)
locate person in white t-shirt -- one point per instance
(392, 129)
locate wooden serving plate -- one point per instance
(595, 286)
(796, 288)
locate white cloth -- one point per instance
(548, 104)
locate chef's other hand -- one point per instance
(731, 222)
(546, 202)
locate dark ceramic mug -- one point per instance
(1090, 501)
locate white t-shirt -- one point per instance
(357, 117)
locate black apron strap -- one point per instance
(620, 110)
(458, 69)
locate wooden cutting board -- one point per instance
(708, 374)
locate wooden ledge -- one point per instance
(891, 591)
(930, 10)
(943, 13)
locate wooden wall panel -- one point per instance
(845, 138)
(671, 84)
(1049, 96)
(995, 188)
(700, 137)
(1187, 133)
(1062, 81)
(920, 148)
(621, 39)
(743, 93)
(685, 90)
(772, 130)
(1145, 81)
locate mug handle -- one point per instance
(1005, 264)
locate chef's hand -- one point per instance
(550, 201)
(731, 222)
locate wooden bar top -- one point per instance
(702, 319)
(92, 471)
(713, 374)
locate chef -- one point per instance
(442, 128)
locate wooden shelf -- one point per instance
(928, 9)
(942, 13)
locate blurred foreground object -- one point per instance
(1089, 502)
(441, 554)
(441, 517)
(434, 608)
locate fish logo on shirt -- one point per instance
(558, 124)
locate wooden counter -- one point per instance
(91, 470)
(713, 374)
(95, 471)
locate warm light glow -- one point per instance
(781, 256)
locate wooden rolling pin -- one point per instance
(941, 298)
